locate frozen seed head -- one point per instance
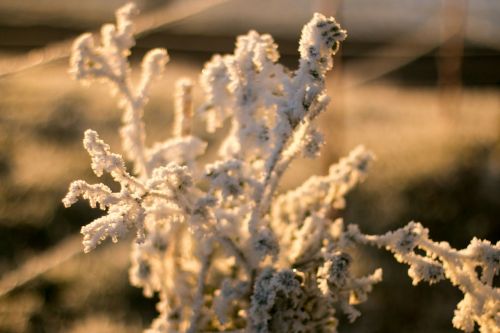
(408, 237)
(319, 42)
(337, 269)
(102, 158)
(261, 48)
(125, 25)
(79, 64)
(314, 141)
(426, 269)
(154, 62)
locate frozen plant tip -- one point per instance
(222, 248)
(481, 303)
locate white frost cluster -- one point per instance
(472, 270)
(219, 245)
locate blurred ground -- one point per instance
(438, 162)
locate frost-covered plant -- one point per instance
(223, 249)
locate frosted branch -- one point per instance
(481, 303)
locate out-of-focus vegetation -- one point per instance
(438, 162)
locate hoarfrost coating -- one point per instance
(236, 255)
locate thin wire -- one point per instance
(363, 71)
(40, 264)
(144, 25)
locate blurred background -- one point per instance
(417, 82)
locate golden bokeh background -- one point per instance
(417, 82)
